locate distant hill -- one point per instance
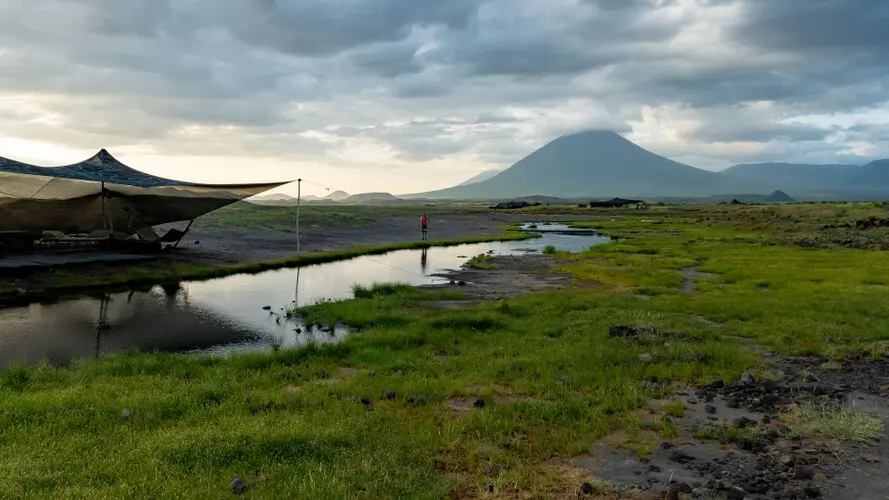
(850, 182)
(778, 196)
(794, 177)
(365, 197)
(487, 174)
(272, 197)
(598, 164)
(336, 196)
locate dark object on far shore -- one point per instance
(617, 203)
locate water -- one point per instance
(226, 315)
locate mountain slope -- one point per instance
(487, 174)
(598, 164)
(874, 174)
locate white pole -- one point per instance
(298, 196)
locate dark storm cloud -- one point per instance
(431, 78)
(507, 39)
(329, 27)
(815, 26)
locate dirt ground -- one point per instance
(239, 245)
(510, 276)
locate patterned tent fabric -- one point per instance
(103, 193)
(102, 167)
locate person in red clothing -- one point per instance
(424, 224)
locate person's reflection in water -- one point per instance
(423, 260)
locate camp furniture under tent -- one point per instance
(101, 198)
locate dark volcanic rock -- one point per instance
(239, 486)
(803, 472)
(735, 493)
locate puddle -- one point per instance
(226, 315)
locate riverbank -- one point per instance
(233, 250)
(553, 394)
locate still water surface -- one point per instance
(227, 314)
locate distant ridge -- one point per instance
(365, 197)
(836, 181)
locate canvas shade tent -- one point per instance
(103, 194)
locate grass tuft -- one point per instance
(481, 261)
(840, 424)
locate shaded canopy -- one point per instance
(103, 193)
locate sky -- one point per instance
(405, 96)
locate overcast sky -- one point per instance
(414, 95)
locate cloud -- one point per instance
(376, 88)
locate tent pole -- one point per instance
(104, 218)
(298, 196)
(176, 245)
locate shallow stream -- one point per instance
(229, 314)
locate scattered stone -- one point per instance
(692, 401)
(479, 403)
(417, 400)
(743, 423)
(586, 488)
(322, 374)
(389, 395)
(462, 283)
(239, 486)
(127, 414)
(747, 379)
(804, 472)
(298, 330)
(266, 308)
(710, 409)
(654, 468)
(871, 459)
(366, 401)
(812, 491)
(735, 493)
(645, 358)
(490, 488)
(685, 488)
(733, 403)
(672, 492)
(680, 457)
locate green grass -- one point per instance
(283, 218)
(291, 423)
(838, 424)
(381, 290)
(555, 381)
(481, 261)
